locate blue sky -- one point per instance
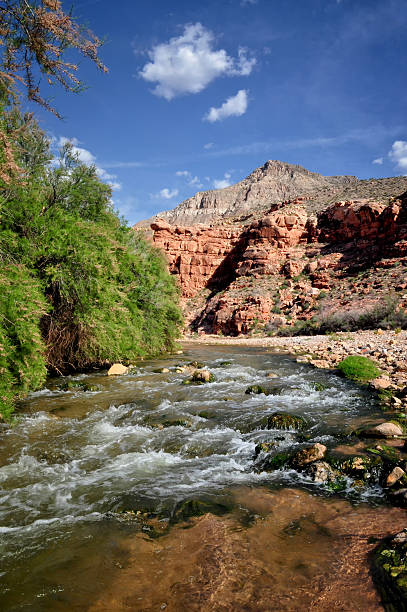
(199, 94)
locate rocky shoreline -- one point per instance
(387, 348)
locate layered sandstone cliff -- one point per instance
(275, 270)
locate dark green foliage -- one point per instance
(22, 363)
(358, 368)
(79, 287)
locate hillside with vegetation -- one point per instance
(78, 288)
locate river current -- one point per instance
(93, 478)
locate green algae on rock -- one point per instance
(260, 389)
(390, 572)
(285, 421)
(358, 368)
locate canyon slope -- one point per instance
(286, 245)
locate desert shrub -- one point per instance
(358, 368)
(385, 315)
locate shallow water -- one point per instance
(90, 479)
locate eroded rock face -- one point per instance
(275, 270)
(364, 220)
(198, 255)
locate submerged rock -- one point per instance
(202, 376)
(321, 472)
(398, 497)
(384, 430)
(390, 571)
(283, 420)
(259, 389)
(117, 369)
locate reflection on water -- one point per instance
(144, 444)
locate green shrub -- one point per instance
(358, 368)
(22, 360)
(78, 286)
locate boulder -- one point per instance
(117, 369)
(308, 455)
(384, 430)
(202, 376)
(285, 421)
(394, 476)
(321, 472)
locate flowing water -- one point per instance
(98, 485)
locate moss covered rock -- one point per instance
(358, 368)
(263, 447)
(273, 462)
(202, 376)
(390, 572)
(285, 421)
(266, 390)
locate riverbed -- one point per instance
(142, 493)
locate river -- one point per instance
(141, 493)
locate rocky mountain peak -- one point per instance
(273, 182)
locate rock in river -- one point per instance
(308, 455)
(384, 430)
(117, 369)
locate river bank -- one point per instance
(387, 348)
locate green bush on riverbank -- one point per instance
(358, 368)
(78, 287)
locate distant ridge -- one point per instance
(275, 182)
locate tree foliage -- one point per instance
(34, 38)
(80, 287)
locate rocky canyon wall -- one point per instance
(274, 270)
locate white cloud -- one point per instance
(378, 161)
(193, 181)
(167, 194)
(86, 157)
(222, 183)
(188, 63)
(235, 106)
(209, 145)
(83, 155)
(245, 2)
(398, 154)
